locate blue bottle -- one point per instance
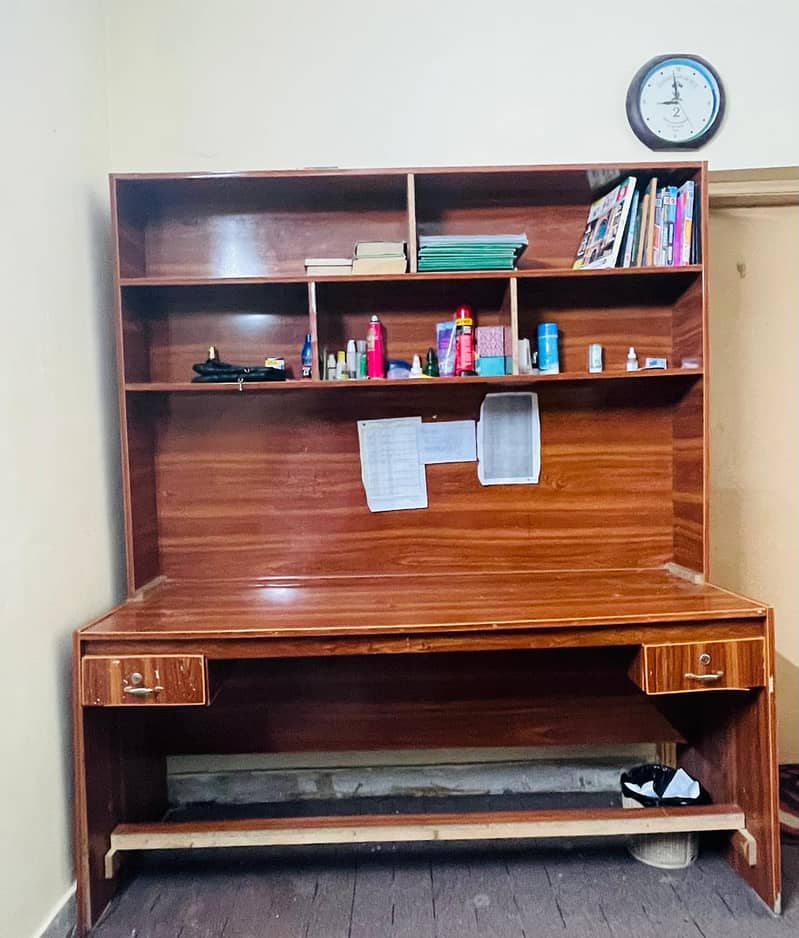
(306, 357)
(548, 359)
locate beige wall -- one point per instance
(248, 84)
(754, 414)
(59, 548)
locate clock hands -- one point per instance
(675, 93)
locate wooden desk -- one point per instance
(265, 612)
(519, 659)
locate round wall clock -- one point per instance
(675, 102)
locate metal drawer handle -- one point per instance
(713, 676)
(142, 691)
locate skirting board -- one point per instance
(229, 780)
(63, 920)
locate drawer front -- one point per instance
(143, 681)
(733, 665)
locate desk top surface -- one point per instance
(294, 608)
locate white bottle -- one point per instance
(632, 360)
(416, 367)
(352, 359)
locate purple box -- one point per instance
(493, 341)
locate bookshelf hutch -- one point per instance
(268, 610)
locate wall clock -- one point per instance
(675, 102)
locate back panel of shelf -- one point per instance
(248, 485)
(251, 227)
(409, 311)
(549, 205)
(168, 329)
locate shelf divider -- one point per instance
(412, 252)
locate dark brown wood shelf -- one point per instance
(543, 273)
(140, 387)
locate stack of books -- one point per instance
(380, 257)
(327, 266)
(662, 230)
(471, 252)
(642, 225)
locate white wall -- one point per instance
(248, 84)
(754, 411)
(59, 547)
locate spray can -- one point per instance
(375, 351)
(464, 341)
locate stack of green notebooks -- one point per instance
(470, 252)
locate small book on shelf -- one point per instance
(328, 266)
(379, 249)
(386, 264)
(604, 230)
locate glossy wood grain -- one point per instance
(444, 385)
(700, 666)
(610, 274)
(169, 329)
(231, 647)
(408, 604)
(499, 615)
(732, 748)
(689, 492)
(249, 487)
(142, 681)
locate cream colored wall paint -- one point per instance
(58, 471)
(244, 84)
(754, 416)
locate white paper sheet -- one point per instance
(392, 471)
(509, 439)
(449, 441)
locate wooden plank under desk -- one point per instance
(406, 605)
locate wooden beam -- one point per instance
(748, 188)
(486, 825)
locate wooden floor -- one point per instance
(590, 890)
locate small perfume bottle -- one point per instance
(306, 357)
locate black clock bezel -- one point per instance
(637, 122)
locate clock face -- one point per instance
(675, 102)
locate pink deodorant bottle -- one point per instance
(375, 350)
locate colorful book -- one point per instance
(642, 216)
(686, 199)
(669, 217)
(649, 232)
(631, 238)
(607, 219)
(657, 233)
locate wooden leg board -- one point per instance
(266, 832)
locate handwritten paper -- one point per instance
(449, 441)
(392, 470)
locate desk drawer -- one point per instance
(125, 681)
(733, 665)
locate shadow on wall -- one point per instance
(101, 358)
